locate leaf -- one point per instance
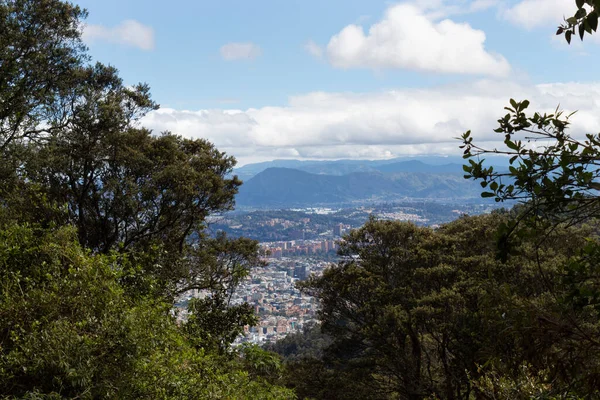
(592, 20)
(581, 30)
(568, 36)
(588, 28)
(511, 145)
(487, 194)
(579, 3)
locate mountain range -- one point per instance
(431, 164)
(294, 183)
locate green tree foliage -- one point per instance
(40, 48)
(307, 344)
(90, 164)
(555, 177)
(556, 181)
(122, 187)
(102, 227)
(585, 20)
(415, 312)
(68, 329)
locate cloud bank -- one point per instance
(375, 125)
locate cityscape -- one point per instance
(299, 200)
(306, 243)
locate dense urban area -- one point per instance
(299, 242)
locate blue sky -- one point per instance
(343, 79)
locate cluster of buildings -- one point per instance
(399, 215)
(329, 244)
(280, 306)
(296, 248)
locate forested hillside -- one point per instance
(287, 187)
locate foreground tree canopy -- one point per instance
(417, 313)
(102, 227)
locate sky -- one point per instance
(355, 79)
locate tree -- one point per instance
(414, 312)
(121, 186)
(555, 177)
(40, 49)
(68, 329)
(584, 20)
(102, 226)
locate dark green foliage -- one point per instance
(555, 176)
(102, 226)
(585, 20)
(40, 49)
(213, 324)
(308, 344)
(416, 313)
(68, 329)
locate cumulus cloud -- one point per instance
(240, 51)
(375, 125)
(130, 33)
(531, 14)
(414, 37)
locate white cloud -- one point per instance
(240, 51)
(375, 125)
(408, 37)
(129, 33)
(530, 14)
(313, 49)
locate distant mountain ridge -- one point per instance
(289, 187)
(429, 164)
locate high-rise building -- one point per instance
(338, 230)
(302, 272)
(324, 247)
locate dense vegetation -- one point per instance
(413, 312)
(103, 227)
